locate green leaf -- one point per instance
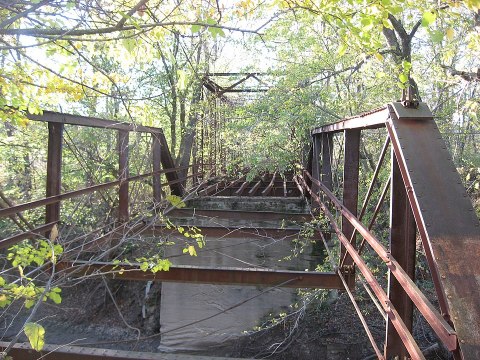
(195, 28)
(129, 44)
(403, 78)
(176, 201)
(2, 281)
(342, 49)
(55, 297)
(428, 18)
(387, 24)
(36, 335)
(215, 31)
(436, 36)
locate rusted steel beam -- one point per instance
(23, 351)
(61, 118)
(255, 188)
(383, 152)
(54, 170)
(168, 163)
(15, 239)
(327, 152)
(270, 186)
(370, 120)
(317, 148)
(240, 191)
(123, 174)
(444, 331)
(389, 309)
(402, 248)
(235, 232)
(212, 189)
(446, 220)
(350, 192)
(241, 215)
(206, 275)
(156, 162)
(68, 195)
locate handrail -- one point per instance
(446, 333)
(68, 195)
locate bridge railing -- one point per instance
(161, 164)
(426, 193)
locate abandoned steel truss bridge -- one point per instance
(426, 195)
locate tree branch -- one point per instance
(140, 4)
(112, 29)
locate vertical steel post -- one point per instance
(402, 248)
(156, 160)
(326, 170)
(54, 170)
(315, 161)
(122, 147)
(350, 191)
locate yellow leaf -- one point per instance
(192, 251)
(379, 56)
(36, 335)
(450, 33)
(54, 233)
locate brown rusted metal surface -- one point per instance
(61, 118)
(123, 174)
(68, 195)
(156, 162)
(168, 163)
(38, 231)
(402, 248)
(242, 188)
(447, 223)
(206, 275)
(255, 188)
(270, 186)
(327, 152)
(350, 191)
(389, 309)
(54, 170)
(369, 120)
(23, 351)
(444, 331)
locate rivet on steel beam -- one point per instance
(410, 171)
(428, 225)
(462, 341)
(443, 277)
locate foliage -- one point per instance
(36, 335)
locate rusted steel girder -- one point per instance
(370, 120)
(402, 248)
(444, 331)
(54, 170)
(205, 275)
(23, 351)
(447, 223)
(70, 119)
(70, 194)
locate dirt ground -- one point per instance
(327, 329)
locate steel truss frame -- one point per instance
(426, 192)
